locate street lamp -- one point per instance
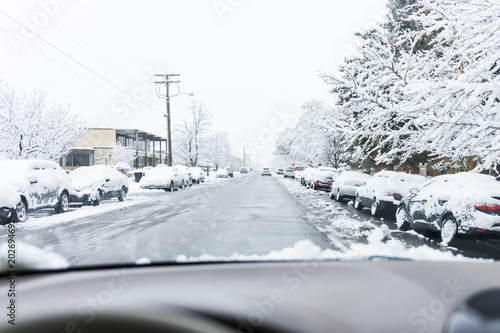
(167, 82)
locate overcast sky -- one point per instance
(253, 63)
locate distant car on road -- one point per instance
(346, 184)
(229, 171)
(92, 184)
(289, 173)
(463, 202)
(384, 190)
(163, 178)
(39, 184)
(243, 170)
(266, 172)
(280, 171)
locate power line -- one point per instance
(94, 52)
(57, 62)
(79, 63)
(105, 27)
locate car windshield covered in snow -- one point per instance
(248, 149)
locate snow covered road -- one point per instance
(236, 217)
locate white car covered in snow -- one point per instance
(346, 184)
(305, 177)
(185, 173)
(162, 178)
(463, 202)
(10, 200)
(384, 191)
(221, 173)
(92, 184)
(39, 184)
(197, 174)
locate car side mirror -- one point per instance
(414, 191)
(32, 179)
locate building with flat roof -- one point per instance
(95, 147)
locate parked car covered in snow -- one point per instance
(305, 177)
(10, 203)
(185, 173)
(92, 184)
(384, 191)
(162, 178)
(230, 172)
(346, 184)
(221, 173)
(289, 173)
(463, 202)
(323, 178)
(40, 184)
(197, 174)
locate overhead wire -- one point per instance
(57, 62)
(90, 49)
(79, 63)
(106, 27)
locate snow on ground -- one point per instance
(29, 257)
(38, 219)
(376, 249)
(327, 215)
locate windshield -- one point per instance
(248, 131)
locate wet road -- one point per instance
(245, 215)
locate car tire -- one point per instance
(402, 220)
(357, 203)
(375, 208)
(449, 229)
(182, 185)
(99, 198)
(63, 204)
(171, 188)
(123, 194)
(20, 213)
(338, 197)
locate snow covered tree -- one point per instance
(32, 129)
(191, 133)
(320, 137)
(217, 150)
(458, 101)
(123, 154)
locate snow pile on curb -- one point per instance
(31, 257)
(379, 246)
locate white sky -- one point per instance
(253, 63)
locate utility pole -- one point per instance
(244, 157)
(167, 82)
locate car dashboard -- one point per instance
(297, 296)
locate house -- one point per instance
(95, 147)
